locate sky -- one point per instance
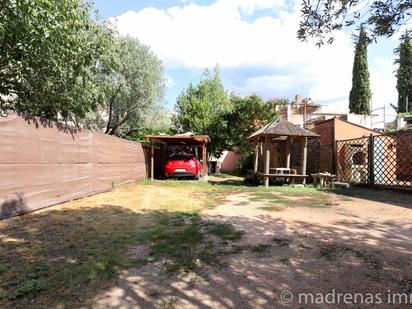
(255, 45)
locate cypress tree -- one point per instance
(404, 74)
(360, 95)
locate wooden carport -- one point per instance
(179, 140)
(280, 131)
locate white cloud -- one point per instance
(169, 82)
(198, 36)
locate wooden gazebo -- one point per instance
(283, 132)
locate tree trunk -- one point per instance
(110, 115)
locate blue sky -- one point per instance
(255, 45)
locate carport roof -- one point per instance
(179, 139)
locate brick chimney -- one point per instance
(298, 99)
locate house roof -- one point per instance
(281, 127)
(179, 139)
(348, 122)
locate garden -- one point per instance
(184, 244)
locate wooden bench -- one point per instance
(287, 177)
(324, 179)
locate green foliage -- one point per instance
(135, 84)
(50, 55)
(245, 163)
(247, 115)
(139, 135)
(207, 109)
(323, 17)
(360, 95)
(404, 74)
(201, 109)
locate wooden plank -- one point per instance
(282, 175)
(267, 159)
(256, 159)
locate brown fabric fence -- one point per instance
(42, 163)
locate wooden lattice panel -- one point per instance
(384, 160)
(352, 157)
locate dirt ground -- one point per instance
(357, 245)
(300, 248)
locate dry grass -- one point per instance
(60, 256)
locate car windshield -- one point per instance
(181, 156)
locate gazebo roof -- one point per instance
(281, 127)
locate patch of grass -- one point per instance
(332, 251)
(26, 288)
(225, 231)
(180, 239)
(271, 198)
(243, 203)
(282, 242)
(315, 203)
(290, 197)
(307, 190)
(272, 208)
(329, 251)
(259, 248)
(3, 269)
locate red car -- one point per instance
(183, 165)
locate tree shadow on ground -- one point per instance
(70, 258)
(227, 182)
(392, 197)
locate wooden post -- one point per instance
(204, 160)
(287, 152)
(371, 168)
(152, 161)
(256, 161)
(304, 156)
(267, 160)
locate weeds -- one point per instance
(181, 239)
(282, 242)
(260, 248)
(332, 251)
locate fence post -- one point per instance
(334, 157)
(371, 169)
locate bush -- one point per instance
(245, 163)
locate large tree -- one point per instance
(320, 18)
(404, 74)
(360, 94)
(201, 108)
(50, 55)
(134, 82)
